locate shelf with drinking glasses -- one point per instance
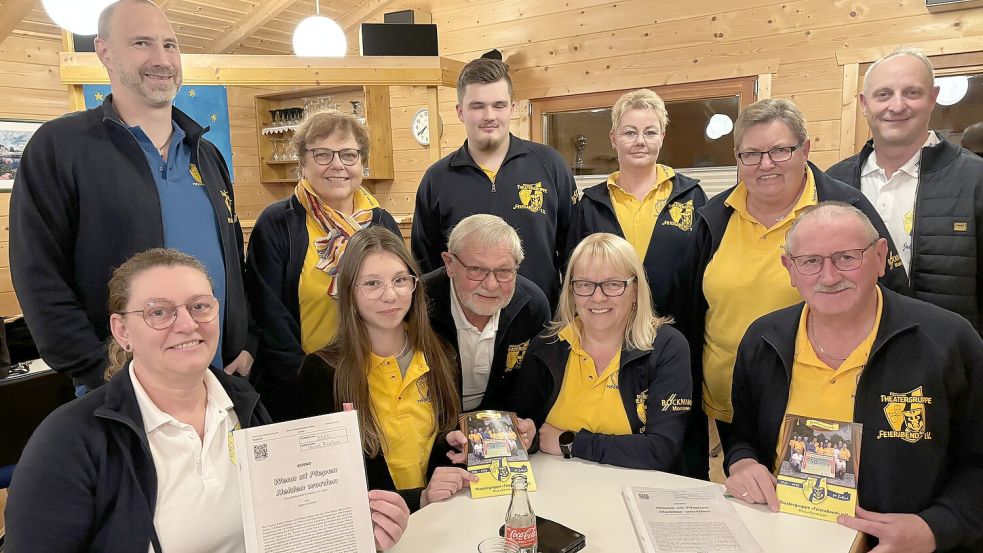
(278, 116)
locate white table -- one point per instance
(587, 497)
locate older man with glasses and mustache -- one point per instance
(910, 372)
(484, 309)
(96, 187)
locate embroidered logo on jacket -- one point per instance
(906, 415)
(681, 215)
(640, 401)
(232, 218)
(515, 354)
(676, 404)
(531, 196)
(195, 174)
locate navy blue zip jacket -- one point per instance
(83, 203)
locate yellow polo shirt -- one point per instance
(637, 217)
(820, 391)
(318, 311)
(403, 410)
(588, 400)
(744, 280)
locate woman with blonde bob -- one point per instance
(143, 463)
(609, 381)
(387, 363)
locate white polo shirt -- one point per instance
(894, 198)
(476, 350)
(198, 506)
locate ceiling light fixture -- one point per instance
(80, 17)
(952, 89)
(319, 36)
(718, 126)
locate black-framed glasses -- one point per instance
(846, 260)
(161, 314)
(324, 156)
(479, 274)
(610, 288)
(374, 288)
(782, 153)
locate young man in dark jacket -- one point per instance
(928, 191)
(527, 184)
(855, 351)
(98, 186)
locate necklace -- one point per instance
(406, 346)
(815, 341)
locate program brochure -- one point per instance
(817, 467)
(303, 486)
(495, 452)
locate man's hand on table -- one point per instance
(751, 482)
(897, 533)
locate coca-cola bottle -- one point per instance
(520, 521)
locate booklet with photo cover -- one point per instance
(495, 452)
(818, 462)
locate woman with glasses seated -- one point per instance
(734, 268)
(143, 463)
(294, 251)
(388, 364)
(609, 381)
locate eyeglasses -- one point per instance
(161, 314)
(324, 156)
(610, 288)
(631, 135)
(846, 260)
(374, 288)
(479, 274)
(783, 153)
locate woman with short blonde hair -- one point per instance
(595, 382)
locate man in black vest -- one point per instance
(928, 191)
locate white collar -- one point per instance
(154, 418)
(461, 321)
(910, 167)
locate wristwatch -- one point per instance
(566, 443)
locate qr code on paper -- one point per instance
(260, 452)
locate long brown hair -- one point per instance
(119, 291)
(349, 352)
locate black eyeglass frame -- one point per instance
(596, 285)
(771, 155)
(314, 153)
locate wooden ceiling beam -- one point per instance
(264, 13)
(13, 12)
(164, 4)
(368, 8)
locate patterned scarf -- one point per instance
(336, 227)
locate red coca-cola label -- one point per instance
(521, 537)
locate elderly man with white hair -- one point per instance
(484, 308)
(910, 372)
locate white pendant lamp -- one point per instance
(80, 17)
(319, 36)
(952, 89)
(718, 126)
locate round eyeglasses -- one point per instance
(374, 288)
(161, 314)
(846, 260)
(610, 288)
(324, 156)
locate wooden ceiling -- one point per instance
(214, 26)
